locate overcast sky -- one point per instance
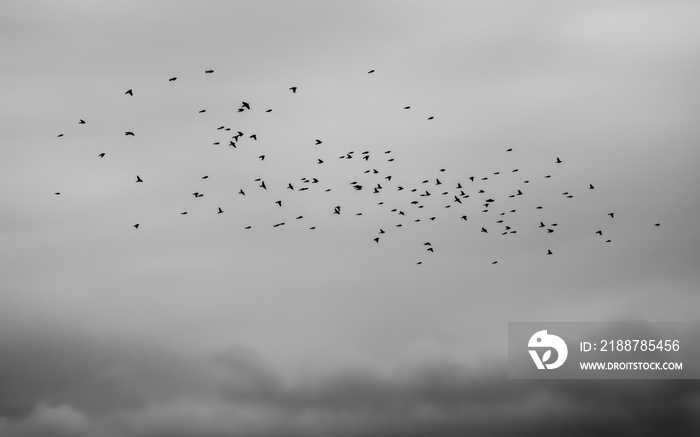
(194, 325)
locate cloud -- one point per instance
(236, 393)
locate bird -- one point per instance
(262, 157)
(129, 133)
(209, 71)
(245, 105)
(549, 252)
(138, 179)
(269, 110)
(130, 92)
(220, 211)
(57, 193)
(509, 150)
(318, 141)
(464, 217)
(657, 224)
(320, 161)
(183, 213)
(241, 192)
(60, 135)
(254, 136)
(559, 161)
(376, 240)
(81, 121)
(172, 79)
(599, 233)
(293, 89)
(590, 186)
(205, 177)
(202, 111)
(611, 214)
(370, 71)
(279, 202)
(136, 226)
(484, 230)
(406, 107)
(101, 155)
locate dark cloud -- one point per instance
(78, 388)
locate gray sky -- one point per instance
(193, 324)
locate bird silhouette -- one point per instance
(101, 155)
(611, 214)
(549, 252)
(370, 71)
(209, 71)
(245, 105)
(136, 226)
(318, 142)
(129, 134)
(81, 121)
(559, 161)
(138, 179)
(220, 211)
(293, 89)
(172, 79)
(130, 92)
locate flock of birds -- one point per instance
(380, 184)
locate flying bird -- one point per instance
(209, 71)
(293, 89)
(172, 79)
(101, 155)
(370, 71)
(81, 121)
(136, 226)
(138, 179)
(220, 210)
(130, 92)
(129, 134)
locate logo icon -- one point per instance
(542, 340)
